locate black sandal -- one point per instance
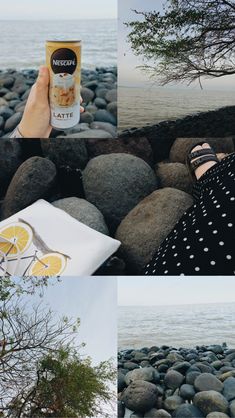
(201, 157)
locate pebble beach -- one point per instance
(99, 94)
(165, 382)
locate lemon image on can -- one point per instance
(63, 58)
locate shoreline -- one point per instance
(99, 93)
(166, 382)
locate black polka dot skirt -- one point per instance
(203, 241)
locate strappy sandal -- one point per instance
(201, 157)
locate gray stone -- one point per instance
(11, 96)
(13, 103)
(181, 147)
(87, 94)
(3, 91)
(121, 381)
(91, 108)
(187, 411)
(173, 379)
(32, 181)
(84, 212)
(111, 95)
(140, 396)
(187, 392)
(148, 224)
(80, 127)
(91, 134)
(104, 116)
(130, 365)
(157, 413)
(149, 374)
(65, 152)
(229, 388)
(86, 117)
(100, 103)
(2, 122)
(91, 85)
(106, 127)
(173, 402)
(113, 108)
(191, 377)
(12, 122)
(6, 112)
(6, 81)
(207, 381)
(115, 183)
(217, 415)
(210, 401)
(26, 94)
(174, 175)
(121, 409)
(101, 92)
(21, 88)
(3, 102)
(10, 160)
(232, 409)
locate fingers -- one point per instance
(42, 82)
(81, 109)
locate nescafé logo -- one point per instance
(63, 60)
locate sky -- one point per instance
(93, 300)
(58, 9)
(129, 75)
(156, 291)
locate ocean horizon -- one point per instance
(149, 105)
(176, 325)
(23, 45)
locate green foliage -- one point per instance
(190, 39)
(68, 386)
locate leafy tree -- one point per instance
(190, 39)
(41, 371)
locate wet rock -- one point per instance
(115, 183)
(191, 377)
(84, 212)
(140, 396)
(187, 392)
(33, 180)
(210, 401)
(144, 228)
(229, 388)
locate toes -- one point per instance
(206, 145)
(196, 148)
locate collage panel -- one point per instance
(176, 347)
(58, 347)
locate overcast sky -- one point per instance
(93, 300)
(144, 291)
(128, 74)
(58, 9)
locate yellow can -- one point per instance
(63, 58)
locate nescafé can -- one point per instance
(63, 58)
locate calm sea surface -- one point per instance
(182, 325)
(22, 43)
(148, 105)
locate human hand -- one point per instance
(35, 122)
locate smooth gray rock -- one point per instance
(32, 181)
(207, 381)
(229, 389)
(149, 374)
(115, 183)
(10, 160)
(140, 396)
(144, 228)
(65, 152)
(92, 134)
(106, 127)
(113, 108)
(111, 95)
(173, 402)
(6, 112)
(100, 103)
(173, 379)
(187, 392)
(232, 409)
(217, 415)
(84, 212)
(12, 122)
(157, 413)
(87, 94)
(86, 117)
(104, 116)
(210, 401)
(187, 411)
(174, 175)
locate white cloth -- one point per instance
(81, 250)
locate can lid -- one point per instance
(63, 42)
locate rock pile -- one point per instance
(166, 382)
(99, 94)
